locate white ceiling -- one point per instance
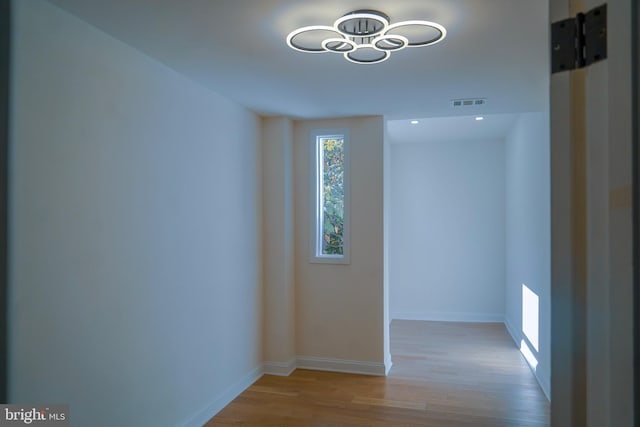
(495, 49)
(459, 128)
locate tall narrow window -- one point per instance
(330, 238)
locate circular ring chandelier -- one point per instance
(365, 36)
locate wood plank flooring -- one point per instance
(444, 375)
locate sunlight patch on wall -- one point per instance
(530, 303)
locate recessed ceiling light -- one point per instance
(479, 118)
(365, 36)
(414, 122)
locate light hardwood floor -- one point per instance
(444, 375)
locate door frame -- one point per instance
(596, 245)
(5, 81)
(635, 74)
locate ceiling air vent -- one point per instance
(468, 102)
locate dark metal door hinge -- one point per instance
(580, 41)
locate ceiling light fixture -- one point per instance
(414, 122)
(365, 36)
(479, 118)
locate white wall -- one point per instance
(278, 249)
(447, 230)
(340, 308)
(386, 237)
(135, 269)
(528, 230)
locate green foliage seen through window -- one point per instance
(332, 195)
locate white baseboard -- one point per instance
(450, 317)
(282, 369)
(327, 364)
(224, 398)
(341, 365)
(515, 335)
(388, 364)
(543, 379)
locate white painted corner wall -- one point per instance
(298, 294)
